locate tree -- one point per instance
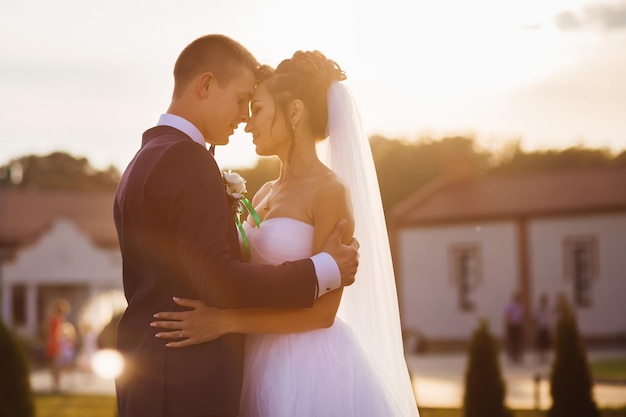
(57, 171)
(570, 383)
(484, 386)
(16, 398)
(106, 339)
(404, 166)
(265, 170)
(516, 161)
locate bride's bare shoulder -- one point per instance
(332, 192)
(332, 202)
(331, 183)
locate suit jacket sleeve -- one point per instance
(188, 186)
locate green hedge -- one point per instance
(485, 389)
(16, 397)
(570, 382)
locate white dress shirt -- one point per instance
(326, 269)
(183, 125)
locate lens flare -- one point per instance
(107, 363)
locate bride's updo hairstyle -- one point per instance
(306, 76)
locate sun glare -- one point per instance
(107, 363)
(99, 310)
(413, 66)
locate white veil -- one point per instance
(370, 305)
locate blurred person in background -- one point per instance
(544, 317)
(514, 328)
(60, 341)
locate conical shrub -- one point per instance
(16, 398)
(485, 388)
(570, 382)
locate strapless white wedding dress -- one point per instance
(321, 373)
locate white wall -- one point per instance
(63, 255)
(429, 297)
(607, 315)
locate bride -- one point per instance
(344, 356)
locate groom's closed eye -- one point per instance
(255, 109)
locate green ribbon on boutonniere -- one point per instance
(236, 190)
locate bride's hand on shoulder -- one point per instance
(200, 324)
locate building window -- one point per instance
(581, 267)
(18, 305)
(466, 272)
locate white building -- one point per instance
(58, 245)
(463, 246)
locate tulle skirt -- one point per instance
(322, 373)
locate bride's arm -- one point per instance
(202, 324)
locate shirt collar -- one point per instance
(183, 125)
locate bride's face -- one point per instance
(268, 128)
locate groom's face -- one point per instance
(226, 106)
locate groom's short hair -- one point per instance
(215, 53)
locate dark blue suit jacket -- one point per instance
(177, 238)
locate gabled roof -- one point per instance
(26, 214)
(519, 196)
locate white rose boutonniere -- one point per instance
(235, 184)
(236, 190)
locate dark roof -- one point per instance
(518, 196)
(25, 215)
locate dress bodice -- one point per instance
(286, 375)
(279, 239)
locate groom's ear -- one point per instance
(204, 83)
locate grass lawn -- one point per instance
(57, 405)
(453, 412)
(104, 406)
(609, 370)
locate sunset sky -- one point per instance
(88, 77)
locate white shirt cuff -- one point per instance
(327, 271)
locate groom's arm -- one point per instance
(326, 268)
(202, 223)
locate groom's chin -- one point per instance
(225, 140)
(221, 141)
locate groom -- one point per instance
(177, 237)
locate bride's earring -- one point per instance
(295, 115)
(293, 130)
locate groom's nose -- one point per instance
(245, 113)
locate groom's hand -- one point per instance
(346, 256)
